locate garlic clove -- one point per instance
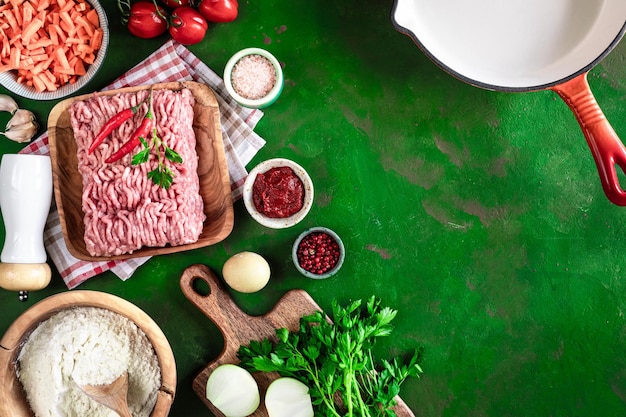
(20, 117)
(22, 126)
(7, 104)
(23, 132)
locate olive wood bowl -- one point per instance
(212, 171)
(13, 402)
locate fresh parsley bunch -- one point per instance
(335, 360)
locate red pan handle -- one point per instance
(605, 145)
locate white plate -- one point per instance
(9, 79)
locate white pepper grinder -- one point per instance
(25, 198)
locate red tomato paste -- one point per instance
(278, 192)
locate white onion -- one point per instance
(246, 272)
(233, 391)
(288, 397)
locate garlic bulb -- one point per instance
(7, 104)
(22, 126)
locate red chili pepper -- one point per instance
(133, 142)
(142, 132)
(113, 123)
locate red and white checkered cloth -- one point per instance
(171, 62)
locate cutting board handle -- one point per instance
(218, 306)
(237, 327)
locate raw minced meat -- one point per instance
(123, 209)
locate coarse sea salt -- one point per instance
(253, 77)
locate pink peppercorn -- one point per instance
(318, 253)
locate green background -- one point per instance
(478, 215)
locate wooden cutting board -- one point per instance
(238, 328)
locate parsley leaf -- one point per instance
(143, 155)
(172, 155)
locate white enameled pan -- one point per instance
(527, 45)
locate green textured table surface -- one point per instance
(478, 215)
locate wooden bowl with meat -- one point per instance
(155, 182)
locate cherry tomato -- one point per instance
(176, 3)
(145, 22)
(219, 11)
(187, 25)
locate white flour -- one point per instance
(87, 345)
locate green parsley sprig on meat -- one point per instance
(335, 360)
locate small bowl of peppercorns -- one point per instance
(318, 253)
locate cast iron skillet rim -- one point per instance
(495, 87)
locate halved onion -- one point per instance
(288, 397)
(233, 391)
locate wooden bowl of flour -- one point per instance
(13, 402)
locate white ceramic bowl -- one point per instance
(9, 79)
(330, 272)
(254, 103)
(278, 223)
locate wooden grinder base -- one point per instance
(24, 277)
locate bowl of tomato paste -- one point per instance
(278, 193)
